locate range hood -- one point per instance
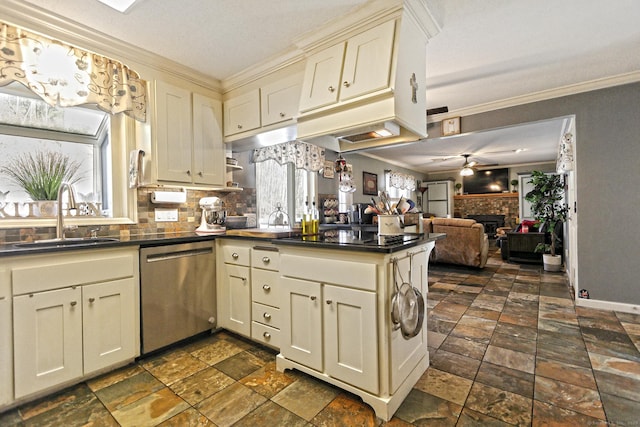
(393, 110)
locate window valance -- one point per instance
(64, 75)
(302, 154)
(402, 181)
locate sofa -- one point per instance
(465, 244)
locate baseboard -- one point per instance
(608, 305)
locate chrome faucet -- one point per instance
(71, 206)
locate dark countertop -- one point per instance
(143, 240)
(331, 239)
(353, 240)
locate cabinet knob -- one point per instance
(92, 300)
(313, 298)
(266, 259)
(200, 173)
(189, 172)
(234, 255)
(331, 89)
(266, 335)
(346, 84)
(329, 301)
(266, 316)
(282, 114)
(239, 126)
(266, 287)
(73, 303)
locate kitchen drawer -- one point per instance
(266, 314)
(265, 287)
(236, 255)
(265, 334)
(267, 259)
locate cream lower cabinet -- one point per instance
(63, 333)
(234, 285)
(336, 320)
(331, 329)
(6, 339)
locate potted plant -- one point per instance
(458, 187)
(514, 184)
(547, 206)
(40, 174)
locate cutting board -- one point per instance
(265, 233)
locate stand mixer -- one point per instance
(213, 216)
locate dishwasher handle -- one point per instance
(165, 256)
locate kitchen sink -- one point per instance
(61, 243)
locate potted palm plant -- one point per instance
(40, 174)
(547, 206)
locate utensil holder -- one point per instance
(390, 225)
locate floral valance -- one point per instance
(302, 154)
(565, 154)
(402, 181)
(64, 75)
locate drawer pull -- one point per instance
(266, 335)
(267, 288)
(92, 300)
(235, 255)
(346, 84)
(73, 303)
(331, 89)
(239, 126)
(329, 301)
(266, 316)
(312, 297)
(266, 259)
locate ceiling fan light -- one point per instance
(466, 171)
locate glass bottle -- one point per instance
(306, 219)
(315, 219)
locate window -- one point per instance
(284, 186)
(28, 125)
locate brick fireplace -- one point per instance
(488, 206)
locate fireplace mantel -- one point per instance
(485, 195)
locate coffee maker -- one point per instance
(214, 216)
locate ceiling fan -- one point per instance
(467, 167)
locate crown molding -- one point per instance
(37, 20)
(544, 95)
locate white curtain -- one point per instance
(565, 154)
(64, 75)
(302, 154)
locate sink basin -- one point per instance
(61, 243)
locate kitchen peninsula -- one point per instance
(336, 304)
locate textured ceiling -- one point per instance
(486, 51)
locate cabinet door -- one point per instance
(235, 299)
(108, 314)
(301, 333)
(47, 339)
(321, 82)
(6, 340)
(173, 133)
(208, 148)
(279, 101)
(350, 336)
(367, 61)
(242, 113)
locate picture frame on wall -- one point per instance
(369, 183)
(451, 126)
(327, 171)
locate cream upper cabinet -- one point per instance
(208, 148)
(242, 113)
(279, 101)
(189, 146)
(359, 66)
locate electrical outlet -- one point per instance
(166, 215)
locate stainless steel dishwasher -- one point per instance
(177, 292)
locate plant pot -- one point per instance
(552, 262)
(46, 208)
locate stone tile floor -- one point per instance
(507, 347)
